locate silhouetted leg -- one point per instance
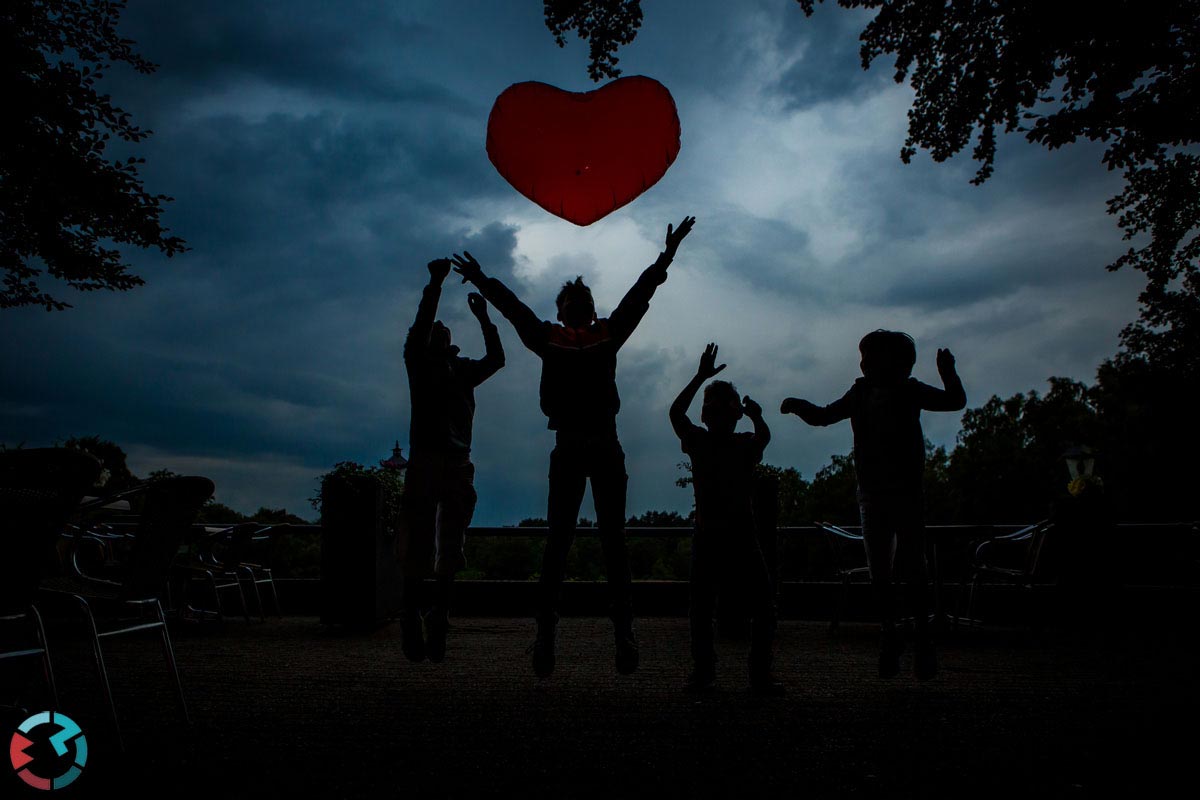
(455, 510)
(417, 542)
(444, 594)
(567, 483)
(702, 605)
(416, 551)
(879, 538)
(913, 567)
(609, 483)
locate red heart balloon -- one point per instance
(583, 155)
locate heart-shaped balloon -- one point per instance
(582, 155)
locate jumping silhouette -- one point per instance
(579, 397)
(439, 492)
(725, 548)
(884, 407)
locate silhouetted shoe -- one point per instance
(925, 661)
(890, 649)
(412, 638)
(543, 650)
(436, 625)
(627, 650)
(702, 680)
(767, 686)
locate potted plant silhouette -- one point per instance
(361, 514)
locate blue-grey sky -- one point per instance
(320, 154)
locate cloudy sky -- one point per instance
(320, 154)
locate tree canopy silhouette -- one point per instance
(63, 204)
(1124, 73)
(604, 24)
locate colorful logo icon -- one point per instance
(65, 738)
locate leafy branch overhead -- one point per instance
(64, 207)
(604, 24)
(1124, 73)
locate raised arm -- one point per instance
(707, 369)
(762, 434)
(417, 340)
(493, 357)
(633, 306)
(953, 397)
(531, 329)
(836, 411)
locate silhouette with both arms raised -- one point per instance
(439, 491)
(578, 394)
(725, 548)
(884, 407)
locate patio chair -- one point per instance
(1013, 558)
(256, 555)
(39, 489)
(837, 537)
(128, 600)
(211, 564)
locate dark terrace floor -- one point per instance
(286, 708)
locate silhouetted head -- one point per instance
(887, 355)
(722, 407)
(576, 309)
(439, 338)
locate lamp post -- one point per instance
(1081, 461)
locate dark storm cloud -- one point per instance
(347, 49)
(827, 64)
(769, 253)
(320, 154)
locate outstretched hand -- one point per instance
(467, 266)
(753, 410)
(794, 405)
(478, 306)
(945, 360)
(439, 268)
(708, 361)
(677, 235)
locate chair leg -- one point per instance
(101, 669)
(216, 593)
(262, 611)
(169, 653)
(274, 595)
(975, 579)
(47, 667)
(237, 583)
(836, 623)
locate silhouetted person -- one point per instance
(725, 549)
(579, 397)
(439, 492)
(884, 407)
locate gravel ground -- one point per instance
(287, 708)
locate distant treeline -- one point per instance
(1006, 467)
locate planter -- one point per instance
(360, 575)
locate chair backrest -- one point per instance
(231, 545)
(169, 508)
(1037, 544)
(836, 537)
(40, 489)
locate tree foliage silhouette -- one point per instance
(63, 205)
(1125, 73)
(604, 24)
